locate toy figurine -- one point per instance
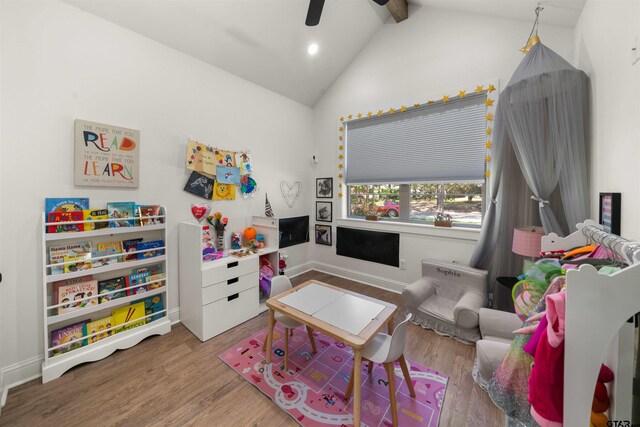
(235, 241)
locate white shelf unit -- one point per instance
(596, 328)
(54, 366)
(217, 295)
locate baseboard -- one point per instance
(20, 373)
(299, 269)
(4, 391)
(367, 279)
(174, 315)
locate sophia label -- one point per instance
(106, 156)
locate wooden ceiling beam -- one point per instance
(399, 9)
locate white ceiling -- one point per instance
(265, 41)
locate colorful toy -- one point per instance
(266, 274)
(249, 233)
(235, 240)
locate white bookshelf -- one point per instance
(56, 365)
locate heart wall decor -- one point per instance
(200, 211)
(290, 192)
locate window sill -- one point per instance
(460, 233)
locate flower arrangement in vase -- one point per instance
(443, 220)
(219, 223)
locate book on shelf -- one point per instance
(64, 217)
(150, 249)
(71, 337)
(128, 313)
(152, 304)
(73, 294)
(105, 257)
(145, 211)
(123, 213)
(55, 287)
(78, 262)
(94, 215)
(130, 246)
(153, 278)
(57, 253)
(135, 280)
(98, 326)
(65, 204)
(115, 246)
(109, 285)
(152, 269)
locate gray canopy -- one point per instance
(539, 160)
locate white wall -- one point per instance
(59, 64)
(603, 41)
(432, 53)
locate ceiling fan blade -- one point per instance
(314, 12)
(381, 2)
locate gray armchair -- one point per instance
(448, 299)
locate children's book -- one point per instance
(74, 293)
(153, 278)
(109, 285)
(94, 215)
(130, 246)
(98, 326)
(145, 211)
(71, 336)
(115, 246)
(102, 258)
(149, 249)
(152, 269)
(152, 305)
(65, 204)
(57, 253)
(77, 262)
(57, 285)
(64, 217)
(129, 313)
(122, 212)
(135, 280)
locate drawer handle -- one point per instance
(232, 281)
(232, 264)
(232, 297)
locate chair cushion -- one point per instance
(438, 307)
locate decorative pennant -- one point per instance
(200, 211)
(267, 207)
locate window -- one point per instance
(410, 165)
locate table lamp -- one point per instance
(527, 241)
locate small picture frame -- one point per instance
(610, 212)
(324, 188)
(323, 235)
(324, 211)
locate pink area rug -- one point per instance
(312, 390)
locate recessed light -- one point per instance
(312, 49)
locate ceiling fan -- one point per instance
(315, 10)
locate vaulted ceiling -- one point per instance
(265, 41)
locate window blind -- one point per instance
(442, 142)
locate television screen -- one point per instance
(294, 231)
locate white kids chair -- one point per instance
(387, 349)
(280, 284)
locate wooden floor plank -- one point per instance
(175, 379)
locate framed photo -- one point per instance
(324, 188)
(323, 234)
(610, 212)
(324, 211)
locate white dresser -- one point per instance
(216, 295)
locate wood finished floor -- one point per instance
(175, 379)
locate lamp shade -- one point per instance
(527, 241)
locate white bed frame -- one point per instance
(597, 331)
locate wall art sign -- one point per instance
(106, 155)
(610, 207)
